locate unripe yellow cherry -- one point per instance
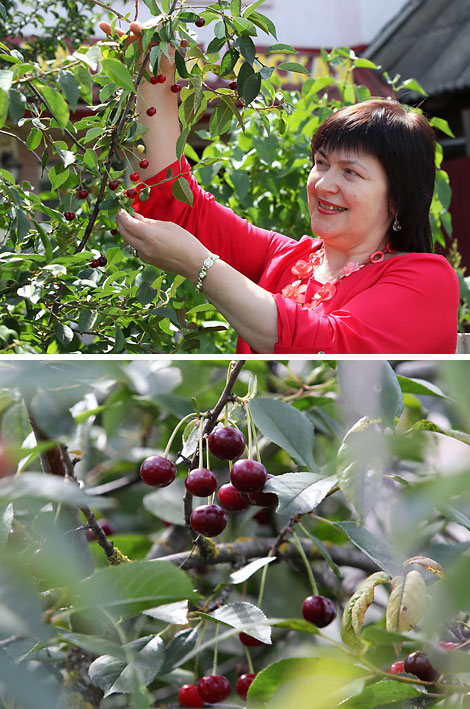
(140, 148)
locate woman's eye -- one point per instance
(350, 172)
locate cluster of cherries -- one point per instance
(247, 479)
(418, 663)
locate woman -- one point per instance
(368, 285)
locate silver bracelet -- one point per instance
(207, 263)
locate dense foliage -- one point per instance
(110, 599)
(66, 283)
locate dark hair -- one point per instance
(404, 143)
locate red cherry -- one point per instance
(248, 475)
(70, 216)
(188, 696)
(200, 22)
(243, 684)
(176, 88)
(82, 194)
(158, 471)
(144, 164)
(209, 520)
(263, 499)
(151, 111)
(263, 516)
(231, 499)
(418, 664)
(161, 78)
(134, 177)
(233, 85)
(131, 192)
(113, 184)
(102, 261)
(201, 482)
(154, 80)
(397, 667)
(249, 640)
(184, 43)
(94, 263)
(214, 688)
(226, 443)
(114, 232)
(318, 610)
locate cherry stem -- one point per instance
(263, 579)
(249, 660)
(253, 429)
(172, 437)
(201, 452)
(216, 650)
(307, 564)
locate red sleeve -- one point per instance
(235, 240)
(411, 309)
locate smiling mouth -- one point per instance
(330, 207)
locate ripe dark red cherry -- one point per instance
(249, 640)
(151, 111)
(184, 43)
(243, 684)
(318, 610)
(233, 85)
(114, 232)
(113, 184)
(154, 80)
(200, 22)
(209, 520)
(201, 482)
(158, 471)
(176, 88)
(144, 164)
(214, 688)
(418, 664)
(397, 667)
(188, 696)
(131, 192)
(134, 177)
(70, 216)
(248, 475)
(82, 194)
(231, 499)
(161, 78)
(263, 499)
(226, 443)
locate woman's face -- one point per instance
(348, 199)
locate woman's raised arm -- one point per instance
(163, 126)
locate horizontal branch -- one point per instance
(256, 548)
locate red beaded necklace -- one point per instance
(305, 269)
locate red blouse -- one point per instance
(407, 304)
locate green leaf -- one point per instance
(145, 293)
(363, 63)
(182, 191)
(179, 646)
(356, 608)
(280, 48)
(6, 520)
(3, 107)
(244, 26)
(26, 688)
(228, 61)
(34, 138)
(442, 125)
(47, 487)
(407, 602)
(252, 7)
(382, 693)
(86, 319)
(299, 492)
(247, 571)
(293, 66)
(221, 119)
(56, 104)
(236, 7)
(166, 502)
(70, 86)
(419, 386)
(328, 675)
(174, 613)
(371, 388)
(6, 79)
(63, 333)
(129, 588)
(244, 617)
(425, 425)
(181, 66)
(455, 515)
(118, 73)
(114, 675)
(412, 85)
(58, 175)
(16, 106)
(286, 426)
(376, 549)
(246, 47)
(251, 88)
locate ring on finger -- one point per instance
(130, 250)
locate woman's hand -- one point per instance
(135, 35)
(163, 244)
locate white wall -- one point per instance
(311, 23)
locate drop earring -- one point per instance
(396, 226)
